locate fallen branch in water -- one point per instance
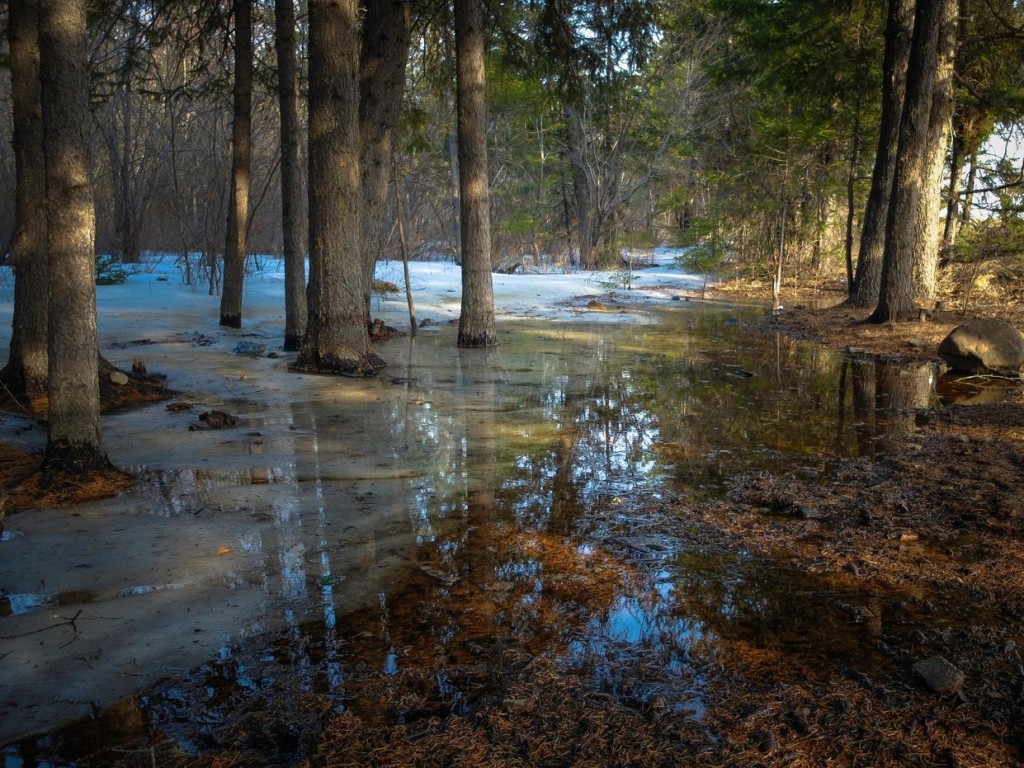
(68, 622)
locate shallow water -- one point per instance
(464, 501)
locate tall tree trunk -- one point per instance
(963, 123)
(583, 195)
(293, 222)
(951, 226)
(73, 429)
(851, 205)
(337, 338)
(386, 34)
(939, 123)
(972, 178)
(902, 235)
(241, 145)
(26, 369)
(476, 324)
(898, 31)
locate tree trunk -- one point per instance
(583, 197)
(951, 226)
(337, 338)
(293, 222)
(898, 31)
(73, 429)
(26, 369)
(939, 123)
(476, 324)
(241, 145)
(386, 34)
(912, 172)
(851, 206)
(963, 124)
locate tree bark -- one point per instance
(963, 124)
(293, 222)
(902, 235)
(583, 196)
(241, 146)
(898, 31)
(939, 125)
(476, 324)
(386, 35)
(73, 429)
(337, 339)
(26, 370)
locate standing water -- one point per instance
(409, 547)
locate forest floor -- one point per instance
(931, 525)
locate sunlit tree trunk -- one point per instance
(963, 125)
(73, 429)
(381, 85)
(912, 172)
(939, 124)
(899, 29)
(951, 226)
(293, 222)
(26, 369)
(337, 339)
(476, 324)
(241, 145)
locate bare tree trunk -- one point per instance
(899, 29)
(902, 236)
(26, 369)
(337, 338)
(476, 324)
(241, 148)
(73, 429)
(293, 222)
(963, 123)
(385, 50)
(939, 123)
(583, 196)
(851, 207)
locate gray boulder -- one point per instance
(985, 345)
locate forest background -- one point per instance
(746, 129)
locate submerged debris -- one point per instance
(214, 420)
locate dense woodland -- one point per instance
(787, 140)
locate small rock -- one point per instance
(810, 513)
(917, 343)
(118, 378)
(214, 420)
(250, 349)
(939, 675)
(139, 367)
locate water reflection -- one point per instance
(885, 398)
(442, 524)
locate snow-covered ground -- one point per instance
(236, 531)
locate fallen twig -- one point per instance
(68, 622)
